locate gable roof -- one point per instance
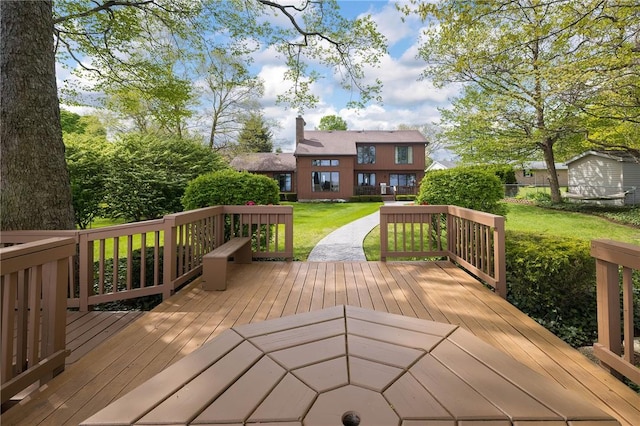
(539, 165)
(441, 165)
(264, 162)
(343, 142)
(621, 156)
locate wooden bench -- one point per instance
(214, 263)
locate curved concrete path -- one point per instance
(345, 243)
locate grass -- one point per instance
(313, 221)
(529, 218)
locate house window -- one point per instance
(366, 154)
(366, 179)
(402, 179)
(284, 181)
(325, 181)
(527, 173)
(325, 163)
(404, 155)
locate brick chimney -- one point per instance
(300, 123)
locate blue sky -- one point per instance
(406, 100)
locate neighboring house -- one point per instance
(279, 166)
(341, 164)
(605, 177)
(535, 173)
(441, 165)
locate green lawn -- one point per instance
(527, 218)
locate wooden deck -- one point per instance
(264, 290)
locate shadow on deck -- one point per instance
(436, 291)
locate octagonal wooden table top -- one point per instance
(381, 368)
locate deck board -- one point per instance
(265, 290)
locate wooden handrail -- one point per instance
(33, 311)
(170, 250)
(615, 264)
(473, 239)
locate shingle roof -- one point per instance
(265, 162)
(622, 156)
(343, 142)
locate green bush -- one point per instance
(553, 280)
(405, 197)
(229, 187)
(504, 172)
(366, 199)
(468, 187)
(149, 173)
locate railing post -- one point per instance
(608, 305)
(85, 279)
(54, 285)
(169, 255)
(384, 236)
(288, 237)
(499, 257)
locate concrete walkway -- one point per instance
(345, 243)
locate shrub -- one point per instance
(229, 187)
(553, 281)
(472, 188)
(149, 173)
(87, 163)
(405, 197)
(366, 199)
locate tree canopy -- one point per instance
(139, 55)
(255, 135)
(332, 122)
(532, 74)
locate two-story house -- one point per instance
(341, 164)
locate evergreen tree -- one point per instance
(255, 135)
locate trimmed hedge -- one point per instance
(229, 187)
(468, 187)
(553, 280)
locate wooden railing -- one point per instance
(615, 264)
(123, 262)
(33, 312)
(475, 240)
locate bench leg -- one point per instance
(244, 254)
(214, 273)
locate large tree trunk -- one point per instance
(554, 184)
(35, 192)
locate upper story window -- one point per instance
(325, 163)
(366, 154)
(404, 155)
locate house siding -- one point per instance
(541, 177)
(598, 176)
(631, 175)
(595, 176)
(306, 185)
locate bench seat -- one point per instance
(214, 263)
